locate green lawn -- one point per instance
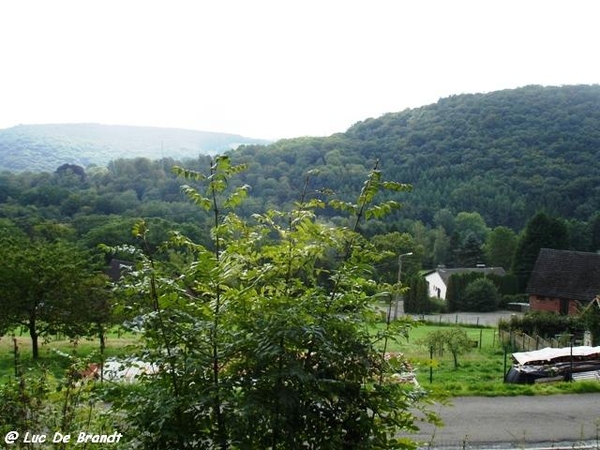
(480, 371)
(53, 355)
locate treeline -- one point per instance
(494, 178)
(101, 205)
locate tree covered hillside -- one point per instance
(45, 147)
(505, 154)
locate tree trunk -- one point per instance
(102, 339)
(34, 337)
(455, 356)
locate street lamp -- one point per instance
(397, 302)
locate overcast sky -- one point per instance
(275, 69)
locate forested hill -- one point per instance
(45, 147)
(505, 154)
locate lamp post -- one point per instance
(397, 302)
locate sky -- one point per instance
(276, 69)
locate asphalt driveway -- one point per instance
(550, 422)
(490, 319)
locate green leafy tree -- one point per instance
(441, 246)
(417, 299)
(445, 219)
(595, 232)
(590, 317)
(580, 235)
(467, 223)
(264, 338)
(500, 247)
(541, 231)
(395, 244)
(45, 287)
(481, 295)
(470, 251)
(453, 339)
(455, 293)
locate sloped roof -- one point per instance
(565, 274)
(445, 274)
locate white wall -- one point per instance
(436, 286)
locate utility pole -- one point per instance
(397, 301)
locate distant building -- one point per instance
(563, 281)
(437, 280)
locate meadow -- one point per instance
(57, 355)
(481, 370)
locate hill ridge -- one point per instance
(506, 154)
(44, 147)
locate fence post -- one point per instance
(505, 354)
(431, 364)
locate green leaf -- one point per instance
(196, 197)
(237, 197)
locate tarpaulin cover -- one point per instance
(548, 355)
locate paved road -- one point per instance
(490, 319)
(552, 422)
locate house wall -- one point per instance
(436, 286)
(537, 303)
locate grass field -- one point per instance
(53, 355)
(480, 372)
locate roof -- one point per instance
(548, 355)
(445, 274)
(565, 274)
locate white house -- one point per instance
(437, 280)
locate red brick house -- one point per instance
(563, 281)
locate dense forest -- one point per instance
(480, 166)
(505, 155)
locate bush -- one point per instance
(481, 295)
(263, 336)
(544, 324)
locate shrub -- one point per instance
(264, 338)
(544, 324)
(481, 295)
